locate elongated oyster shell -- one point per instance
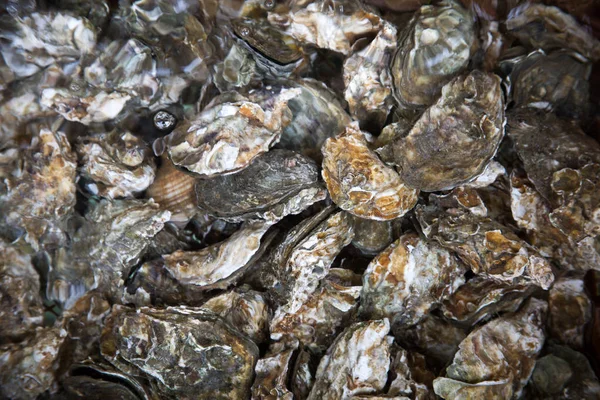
(454, 140)
(227, 137)
(245, 309)
(360, 183)
(570, 309)
(119, 163)
(20, 296)
(489, 248)
(497, 359)
(408, 279)
(356, 363)
(190, 352)
(432, 49)
(547, 27)
(554, 82)
(367, 80)
(28, 369)
(329, 26)
(41, 39)
(276, 184)
(272, 372)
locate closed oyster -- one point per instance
(272, 372)
(408, 279)
(496, 360)
(29, 368)
(481, 297)
(370, 236)
(243, 308)
(488, 248)
(455, 139)
(368, 84)
(356, 363)
(334, 26)
(276, 184)
(190, 352)
(41, 195)
(360, 183)
(433, 48)
(570, 309)
(548, 28)
(555, 82)
(38, 40)
(119, 163)
(20, 296)
(227, 137)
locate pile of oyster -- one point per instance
(301, 199)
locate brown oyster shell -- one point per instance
(408, 279)
(455, 139)
(272, 372)
(356, 363)
(360, 183)
(497, 359)
(276, 184)
(432, 49)
(190, 352)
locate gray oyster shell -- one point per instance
(455, 139)
(190, 352)
(496, 360)
(433, 48)
(356, 363)
(276, 184)
(408, 279)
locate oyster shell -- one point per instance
(360, 183)
(276, 184)
(432, 49)
(408, 279)
(245, 309)
(227, 137)
(118, 163)
(368, 84)
(190, 352)
(356, 363)
(570, 309)
(412, 378)
(370, 236)
(455, 139)
(272, 372)
(497, 359)
(548, 28)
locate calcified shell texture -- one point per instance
(299, 199)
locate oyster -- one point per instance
(455, 139)
(190, 352)
(496, 360)
(28, 369)
(276, 184)
(432, 49)
(227, 137)
(38, 40)
(412, 378)
(118, 163)
(367, 80)
(548, 28)
(272, 372)
(360, 183)
(554, 82)
(243, 308)
(370, 236)
(356, 363)
(570, 309)
(408, 279)
(488, 248)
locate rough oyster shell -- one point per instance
(272, 372)
(497, 359)
(455, 139)
(356, 363)
(276, 184)
(227, 137)
(412, 378)
(432, 49)
(190, 352)
(408, 279)
(360, 183)
(370, 236)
